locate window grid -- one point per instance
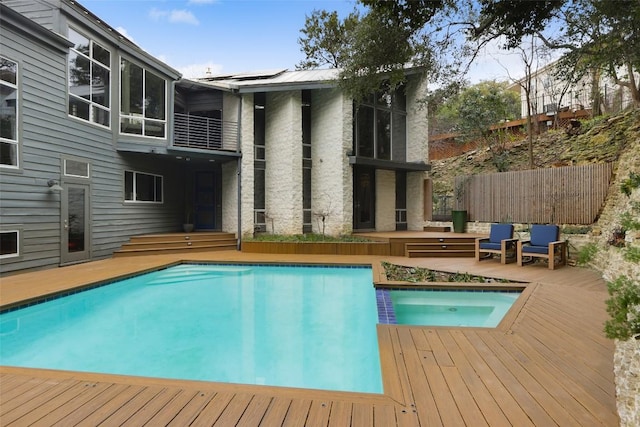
(92, 100)
(9, 148)
(150, 119)
(142, 187)
(375, 120)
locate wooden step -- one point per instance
(177, 243)
(435, 253)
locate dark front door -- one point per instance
(364, 203)
(205, 201)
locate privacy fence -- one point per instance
(565, 195)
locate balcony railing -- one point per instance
(204, 133)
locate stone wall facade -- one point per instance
(331, 174)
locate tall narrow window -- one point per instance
(8, 113)
(143, 100)
(259, 164)
(380, 128)
(307, 226)
(89, 80)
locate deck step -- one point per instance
(177, 243)
(442, 247)
(438, 253)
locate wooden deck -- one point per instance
(551, 365)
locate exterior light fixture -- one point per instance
(54, 185)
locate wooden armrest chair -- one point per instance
(500, 241)
(544, 243)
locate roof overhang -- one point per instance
(389, 164)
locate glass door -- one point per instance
(364, 208)
(75, 223)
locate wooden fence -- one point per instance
(565, 195)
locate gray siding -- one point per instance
(47, 135)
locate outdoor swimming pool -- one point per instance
(296, 326)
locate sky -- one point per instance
(229, 36)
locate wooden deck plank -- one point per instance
(277, 412)
(193, 408)
(552, 366)
(50, 414)
(489, 408)
(233, 411)
(341, 414)
(318, 414)
(255, 412)
(25, 404)
(123, 413)
(149, 410)
(297, 414)
(81, 413)
(424, 397)
(362, 415)
(168, 412)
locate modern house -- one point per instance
(101, 141)
(552, 93)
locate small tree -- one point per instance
(479, 110)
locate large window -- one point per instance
(9, 244)
(142, 101)
(8, 113)
(380, 127)
(142, 187)
(89, 80)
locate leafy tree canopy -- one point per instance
(441, 37)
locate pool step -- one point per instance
(177, 243)
(444, 247)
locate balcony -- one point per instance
(205, 133)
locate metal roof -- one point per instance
(273, 80)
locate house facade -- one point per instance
(551, 93)
(101, 141)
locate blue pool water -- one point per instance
(311, 327)
(447, 308)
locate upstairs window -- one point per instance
(143, 99)
(380, 127)
(8, 113)
(89, 80)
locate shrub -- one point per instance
(586, 253)
(624, 308)
(630, 183)
(632, 254)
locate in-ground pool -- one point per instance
(435, 307)
(296, 326)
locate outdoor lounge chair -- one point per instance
(544, 243)
(500, 241)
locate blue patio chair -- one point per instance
(544, 243)
(500, 241)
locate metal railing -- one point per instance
(204, 133)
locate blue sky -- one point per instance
(224, 35)
(228, 36)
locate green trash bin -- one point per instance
(459, 221)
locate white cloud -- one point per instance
(200, 70)
(174, 16)
(125, 33)
(202, 1)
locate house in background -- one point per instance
(101, 141)
(552, 94)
